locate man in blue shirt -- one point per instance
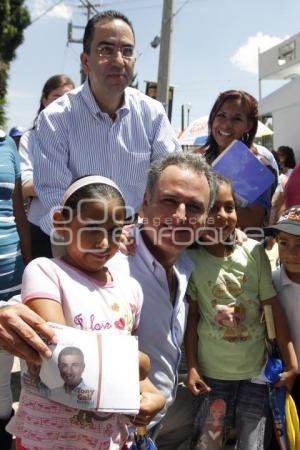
(104, 127)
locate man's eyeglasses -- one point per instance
(108, 51)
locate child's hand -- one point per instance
(195, 383)
(151, 404)
(144, 365)
(127, 241)
(287, 379)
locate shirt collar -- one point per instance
(183, 262)
(143, 250)
(90, 101)
(75, 388)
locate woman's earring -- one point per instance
(245, 137)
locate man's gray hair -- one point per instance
(185, 160)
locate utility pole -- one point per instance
(164, 54)
(182, 118)
(90, 9)
(188, 108)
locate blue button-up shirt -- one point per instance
(162, 324)
(75, 138)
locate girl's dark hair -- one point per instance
(54, 82)
(288, 152)
(250, 105)
(90, 192)
(221, 179)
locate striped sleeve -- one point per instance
(50, 151)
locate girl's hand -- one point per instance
(151, 404)
(127, 241)
(144, 365)
(287, 379)
(195, 383)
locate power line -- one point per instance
(46, 12)
(180, 8)
(129, 7)
(87, 4)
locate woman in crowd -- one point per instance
(286, 158)
(14, 252)
(55, 87)
(235, 116)
(286, 162)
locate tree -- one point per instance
(14, 18)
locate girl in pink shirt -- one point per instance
(79, 291)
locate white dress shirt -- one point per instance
(75, 138)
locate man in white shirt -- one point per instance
(103, 127)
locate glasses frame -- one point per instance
(115, 49)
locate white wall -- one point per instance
(269, 67)
(286, 123)
(284, 105)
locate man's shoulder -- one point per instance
(67, 102)
(185, 263)
(137, 97)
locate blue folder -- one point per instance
(249, 177)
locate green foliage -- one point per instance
(14, 18)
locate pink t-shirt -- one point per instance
(292, 188)
(89, 305)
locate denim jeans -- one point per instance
(175, 429)
(240, 404)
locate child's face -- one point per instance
(94, 234)
(222, 217)
(281, 157)
(289, 254)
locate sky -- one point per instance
(214, 47)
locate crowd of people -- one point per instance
(188, 282)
